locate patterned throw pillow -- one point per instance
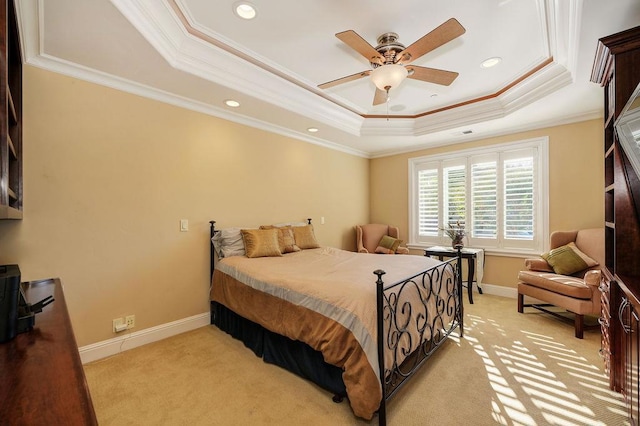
(261, 242)
(305, 237)
(388, 245)
(286, 238)
(568, 259)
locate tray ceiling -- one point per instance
(198, 53)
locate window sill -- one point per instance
(488, 251)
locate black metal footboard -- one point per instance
(415, 317)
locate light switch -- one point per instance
(322, 220)
(184, 225)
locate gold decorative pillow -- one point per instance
(261, 242)
(388, 245)
(568, 259)
(305, 237)
(286, 238)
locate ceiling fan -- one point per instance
(390, 59)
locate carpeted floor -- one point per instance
(510, 369)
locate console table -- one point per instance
(472, 255)
(41, 377)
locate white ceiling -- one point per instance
(197, 53)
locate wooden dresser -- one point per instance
(41, 377)
(617, 69)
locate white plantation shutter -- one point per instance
(519, 211)
(455, 195)
(484, 189)
(428, 202)
(498, 193)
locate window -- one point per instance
(499, 193)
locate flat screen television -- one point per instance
(16, 315)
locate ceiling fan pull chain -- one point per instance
(387, 102)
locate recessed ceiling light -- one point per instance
(312, 130)
(491, 62)
(245, 10)
(231, 103)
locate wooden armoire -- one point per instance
(617, 69)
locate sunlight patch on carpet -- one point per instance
(520, 376)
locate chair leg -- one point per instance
(520, 303)
(579, 326)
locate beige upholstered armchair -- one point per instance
(554, 280)
(369, 238)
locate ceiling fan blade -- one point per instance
(432, 75)
(344, 79)
(380, 97)
(436, 38)
(360, 45)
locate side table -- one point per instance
(471, 254)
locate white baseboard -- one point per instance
(128, 341)
(497, 290)
(99, 350)
(510, 292)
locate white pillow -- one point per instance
(217, 244)
(228, 242)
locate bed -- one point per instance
(358, 325)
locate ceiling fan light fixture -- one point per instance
(388, 76)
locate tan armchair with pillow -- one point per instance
(377, 238)
(568, 276)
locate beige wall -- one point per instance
(576, 181)
(109, 175)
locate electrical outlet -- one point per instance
(130, 321)
(119, 325)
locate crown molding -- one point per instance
(190, 47)
(563, 17)
(504, 131)
(162, 28)
(548, 80)
(166, 32)
(30, 20)
(87, 74)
